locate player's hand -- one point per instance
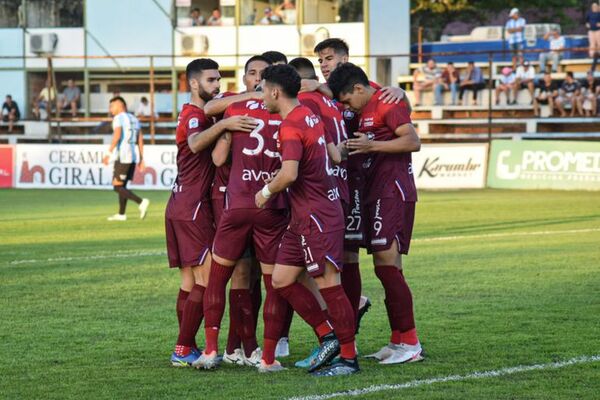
(270, 179)
(142, 166)
(309, 85)
(395, 95)
(105, 160)
(240, 123)
(259, 199)
(361, 144)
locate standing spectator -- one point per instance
(589, 95)
(505, 85)
(287, 11)
(143, 109)
(569, 95)
(473, 81)
(215, 18)
(448, 81)
(547, 91)
(515, 27)
(270, 17)
(425, 78)
(524, 79)
(71, 98)
(43, 101)
(592, 22)
(557, 44)
(10, 112)
(197, 18)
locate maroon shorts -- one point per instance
(218, 206)
(188, 242)
(354, 236)
(387, 220)
(312, 251)
(242, 226)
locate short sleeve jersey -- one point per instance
(254, 156)
(335, 131)
(313, 197)
(386, 175)
(127, 151)
(195, 171)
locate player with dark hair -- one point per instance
(188, 216)
(387, 138)
(314, 237)
(275, 57)
(127, 150)
(254, 158)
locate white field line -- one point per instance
(147, 253)
(454, 378)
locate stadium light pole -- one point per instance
(152, 127)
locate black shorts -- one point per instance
(123, 172)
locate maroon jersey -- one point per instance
(313, 196)
(386, 174)
(194, 171)
(254, 156)
(335, 130)
(221, 173)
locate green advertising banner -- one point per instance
(542, 164)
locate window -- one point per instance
(331, 11)
(9, 13)
(205, 12)
(268, 12)
(54, 13)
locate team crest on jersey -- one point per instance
(193, 123)
(367, 162)
(348, 114)
(367, 122)
(254, 105)
(311, 120)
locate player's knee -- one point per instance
(240, 278)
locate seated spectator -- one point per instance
(10, 112)
(270, 18)
(557, 44)
(569, 95)
(215, 18)
(448, 81)
(589, 95)
(287, 12)
(43, 100)
(524, 79)
(197, 18)
(473, 81)
(71, 98)
(143, 109)
(425, 78)
(546, 93)
(505, 85)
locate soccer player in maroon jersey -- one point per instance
(254, 159)
(314, 238)
(387, 137)
(188, 216)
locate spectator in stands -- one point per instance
(215, 18)
(590, 89)
(505, 85)
(197, 18)
(286, 11)
(473, 81)
(557, 44)
(71, 98)
(251, 18)
(425, 78)
(270, 18)
(43, 101)
(524, 79)
(143, 109)
(546, 93)
(592, 22)
(448, 81)
(569, 95)
(515, 28)
(10, 112)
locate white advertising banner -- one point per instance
(450, 166)
(73, 166)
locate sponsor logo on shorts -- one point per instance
(379, 241)
(312, 267)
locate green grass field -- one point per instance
(499, 278)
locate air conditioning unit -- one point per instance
(308, 41)
(43, 42)
(194, 45)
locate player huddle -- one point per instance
(288, 180)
